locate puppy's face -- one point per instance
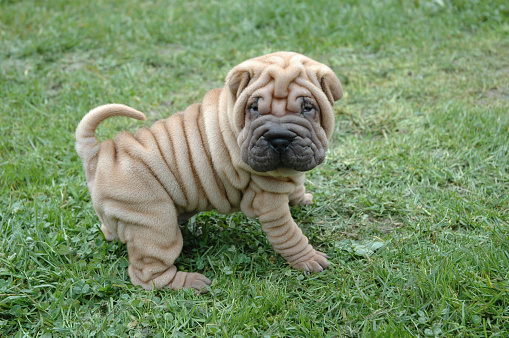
(284, 112)
(282, 132)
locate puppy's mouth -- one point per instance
(278, 147)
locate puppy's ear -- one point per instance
(238, 81)
(331, 86)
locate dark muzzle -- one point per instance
(279, 138)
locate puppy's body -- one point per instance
(244, 147)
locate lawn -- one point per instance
(411, 204)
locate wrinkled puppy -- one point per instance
(245, 147)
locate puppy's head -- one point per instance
(283, 112)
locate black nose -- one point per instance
(280, 144)
(279, 138)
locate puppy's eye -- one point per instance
(253, 108)
(307, 108)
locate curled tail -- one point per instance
(87, 144)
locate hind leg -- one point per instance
(152, 258)
(152, 252)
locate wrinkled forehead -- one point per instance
(283, 69)
(294, 91)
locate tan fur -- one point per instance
(142, 185)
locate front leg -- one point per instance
(299, 196)
(283, 233)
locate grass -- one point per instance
(411, 203)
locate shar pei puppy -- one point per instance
(246, 147)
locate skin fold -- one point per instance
(245, 147)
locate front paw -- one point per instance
(107, 234)
(305, 199)
(316, 263)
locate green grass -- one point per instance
(411, 204)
